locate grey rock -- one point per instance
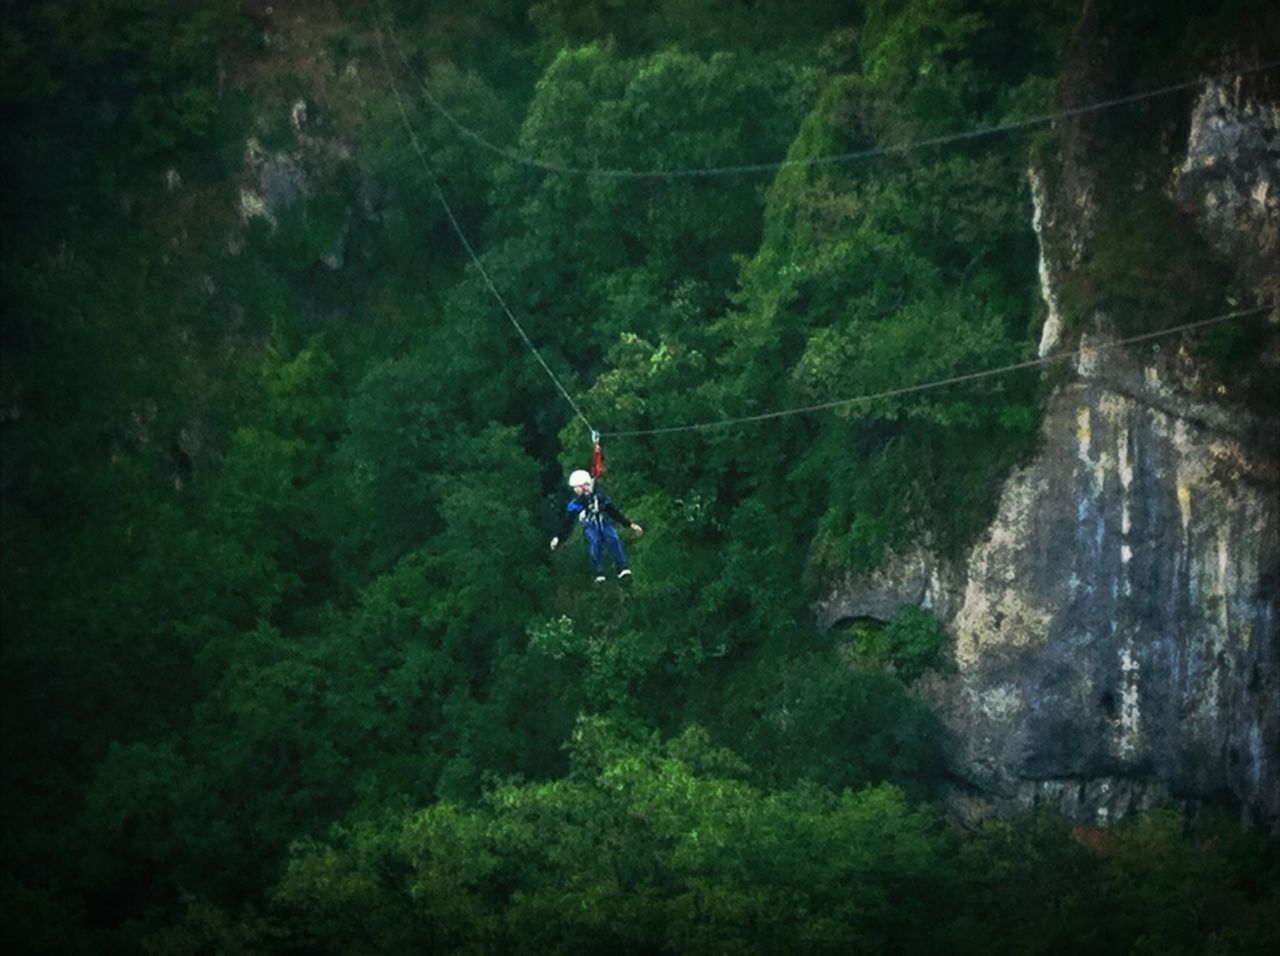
(916, 579)
(336, 257)
(270, 184)
(1119, 621)
(1232, 172)
(1117, 627)
(282, 184)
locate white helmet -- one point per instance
(580, 477)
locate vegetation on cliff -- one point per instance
(287, 666)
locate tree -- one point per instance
(641, 848)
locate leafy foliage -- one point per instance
(649, 847)
(286, 666)
(636, 849)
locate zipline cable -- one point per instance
(829, 160)
(821, 406)
(457, 228)
(938, 383)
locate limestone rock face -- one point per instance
(271, 183)
(911, 580)
(1232, 170)
(1117, 639)
(1117, 627)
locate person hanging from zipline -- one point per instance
(596, 512)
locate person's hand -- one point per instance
(555, 543)
(637, 529)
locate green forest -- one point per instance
(288, 665)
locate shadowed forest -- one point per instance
(288, 666)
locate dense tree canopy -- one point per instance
(286, 664)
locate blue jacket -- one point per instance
(594, 509)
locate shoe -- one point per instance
(624, 574)
(600, 578)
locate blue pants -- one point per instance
(605, 535)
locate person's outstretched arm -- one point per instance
(566, 525)
(612, 511)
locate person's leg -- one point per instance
(616, 550)
(593, 548)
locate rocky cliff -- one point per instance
(1117, 628)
